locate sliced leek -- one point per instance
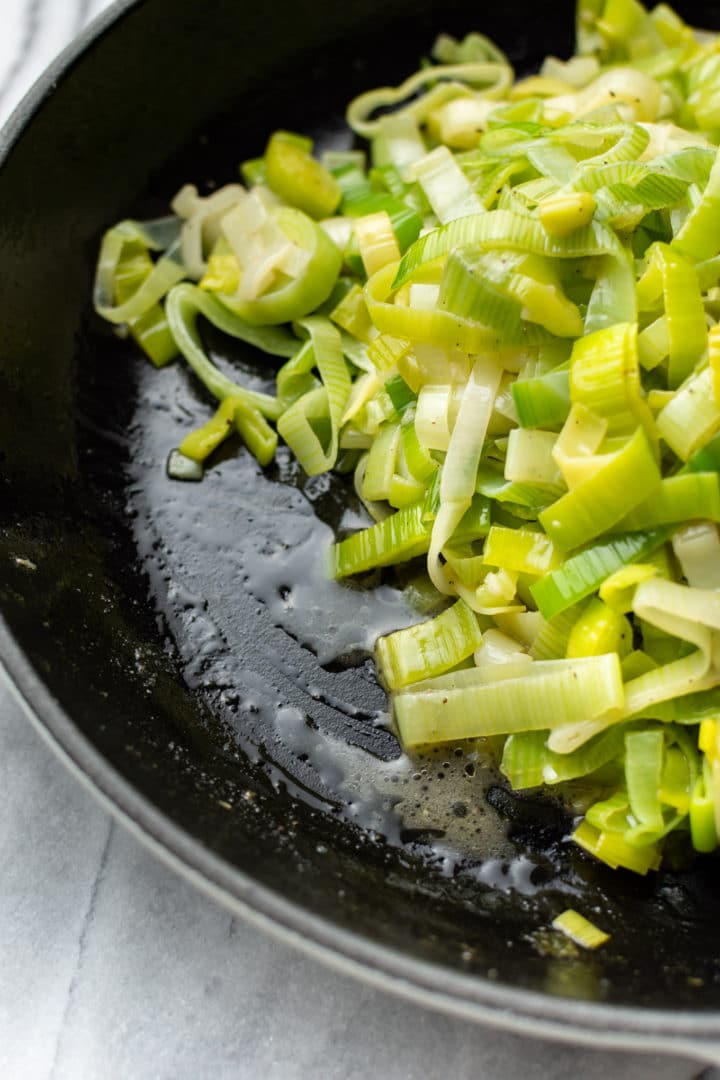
(502, 322)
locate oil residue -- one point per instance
(433, 800)
(287, 572)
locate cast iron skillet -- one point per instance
(177, 644)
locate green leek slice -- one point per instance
(429, 648)
(563, 691)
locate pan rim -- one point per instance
(471, 997)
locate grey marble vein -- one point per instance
(83, 937)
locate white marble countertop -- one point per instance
(112, 966)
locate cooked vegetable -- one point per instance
(580, 930)
(509, 323)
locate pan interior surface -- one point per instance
(189, 630)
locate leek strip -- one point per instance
(432, 417)
(495, 593)
(644, 751)
(457, 122)
(428, 648)
(575, 451)
(528, 459)
(654, 344)
(691, 418)
(622, 482)
(636, 663)
(351, 314)
(473, 47)
(706, 458)
(618, 590)
(295, 378)
(570, 737)
(523, 626)
(612, 849)
(256, 433)
(543, 401)
(676, 499)
(457, 482)
(298, 424)
(505, 291)
(685, 314)
(613, 297)
(466, 567)
(400, 394)
(233, 414)
(566, 212)
(687, 613)
(553, 636)
(580, 930)
(599, 629)
(397, 538)
(363, 391)
(386, 352)
(703, 828)
(520, 549)
(605, 378)
(376, 240)
(414, 324)
(445, 185)
(611, 814)
(361, 198)
(182, 468)
(559, 691)
(203, 221)
(166, 272)
(261, 250)
(714, 361)
(497, 648)
(151, 330)
(223, 271)
(653, 191)
(531, 497)
(381, 463)
(451, 81)
(293, 174)
(420, 462)
(152, 333)
(199, 444)
(681, 769)
(699, 237)
(505, 229)
(378, 511)
(582, 574)
(184, 303)
(697, 549)
(398, 142)
(527, 762)
(475, 522)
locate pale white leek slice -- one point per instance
(547, 694)
(446, 187)
(529, 457)
(697, 549)
(201, 226)
(457, 483)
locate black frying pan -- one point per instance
(178, 644)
